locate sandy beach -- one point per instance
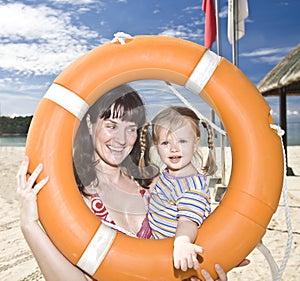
(17, 262)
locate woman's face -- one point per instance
(114, 139)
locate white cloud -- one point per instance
(179, 31)
(267, 52)
(292, 112)
(284, 3)
(19, 21)
(39, 40)
(190, 9)
(273, 60)
(223, 12)
(267, 55)
(183, 32)
(75, 2)
(13, 103)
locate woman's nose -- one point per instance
(120, 136)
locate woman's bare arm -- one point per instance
(53, 265)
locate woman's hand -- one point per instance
(222, 276)
(52, 263)
(27, 192)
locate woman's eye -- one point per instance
(110, 126)
(132, 129)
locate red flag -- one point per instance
(208, 8)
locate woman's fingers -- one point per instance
(21, 175)
(33, 177)
(29, 183)
(222, 276)
(221, 273)
(27, 191)
(206, 275)
(41, 184)
(243, 263)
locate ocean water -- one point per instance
(12, 140)
(293, 133)
(149, 90)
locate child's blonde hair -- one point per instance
(173, 118)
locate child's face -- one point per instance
(176, 149)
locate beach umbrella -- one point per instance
(283, 80)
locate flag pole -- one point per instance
(218, 28)
(222, 138)
(234, 31)
(212, 112)
(212, 33)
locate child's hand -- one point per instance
(185, 254)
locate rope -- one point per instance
(280, 132)
(121, 37)
(268, 256)
(188, 104)
(118, 228)
(277, 273)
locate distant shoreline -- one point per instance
(12, 135)
(20, 140)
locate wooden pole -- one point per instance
(282, 116)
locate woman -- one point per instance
(113, 125)
(106, 152)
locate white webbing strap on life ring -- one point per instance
(203, 72)
(97, 249)
(68, 100)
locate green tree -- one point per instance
(15, 126)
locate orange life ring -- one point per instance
(237, 225)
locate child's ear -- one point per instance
(196, 144)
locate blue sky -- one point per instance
(39, 38)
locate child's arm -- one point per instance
(185, 251)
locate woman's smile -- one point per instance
(115, 149)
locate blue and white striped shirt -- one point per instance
(175, 197)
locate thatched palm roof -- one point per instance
(283, 80)
(286, 74)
